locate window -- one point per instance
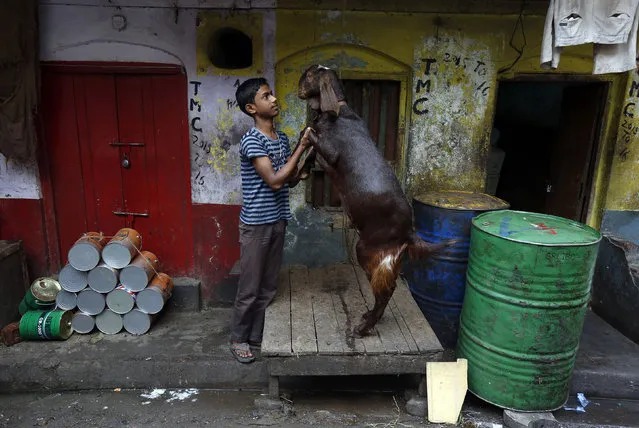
(230, 48)
(377, 103)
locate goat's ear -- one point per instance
(328, 99)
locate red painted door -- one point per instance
(118, 151)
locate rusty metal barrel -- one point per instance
(438, 284)
(527, 289)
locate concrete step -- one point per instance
(182, 349)
(186, 295)
(190, 349)
(607, 363)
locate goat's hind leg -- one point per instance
(383, 268)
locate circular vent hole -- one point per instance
(230, 48)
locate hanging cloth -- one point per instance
(611, 25)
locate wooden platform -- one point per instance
(308, 326)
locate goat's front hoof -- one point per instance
(363, 329)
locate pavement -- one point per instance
(338, 407)
(190, 351)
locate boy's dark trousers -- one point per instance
(261, 249)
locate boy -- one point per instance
(267, 167)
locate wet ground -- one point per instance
(217, 408)
(198, 408)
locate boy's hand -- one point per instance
(305, 141)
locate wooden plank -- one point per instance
(356, 305)
(277, 326)
(346, 318)
(351, 365)
(302, 324)
(403, 326)
(330, 340)
(389, 331)
(420, 330)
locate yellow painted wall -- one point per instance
(623, 193)
(450, 65)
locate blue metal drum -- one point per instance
(438, 284)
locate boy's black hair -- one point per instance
(245, 93)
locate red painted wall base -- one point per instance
(217, 248)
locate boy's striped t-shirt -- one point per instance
(260, 203)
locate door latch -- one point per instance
(126, 163)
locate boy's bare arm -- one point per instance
(276, 179)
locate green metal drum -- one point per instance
(527, 288)
(46, 325)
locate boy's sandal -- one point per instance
(242, 352)
(255, 344)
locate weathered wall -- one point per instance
(448, 65)
(451, 66)
(159, 32)
(621, 216)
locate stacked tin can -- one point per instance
(113, 284)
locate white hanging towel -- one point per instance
(610, 24)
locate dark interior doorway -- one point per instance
(544, 145)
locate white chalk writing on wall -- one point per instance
(453, 78)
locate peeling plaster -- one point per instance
(217, 126)
(291, 121)
(453, 77)
(19, 180)
(215, 158)
(339, 61)
(343, 38)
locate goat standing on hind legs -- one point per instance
(367, 185)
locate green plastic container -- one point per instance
(527, 287)
(40, 295)
(46, 325)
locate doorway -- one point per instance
(544, 145)
(117, 155)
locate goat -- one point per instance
(368, 188)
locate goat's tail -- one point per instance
(420, 249)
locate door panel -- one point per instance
(572, 155)
(63, 151)
(102, 166)
(173, 200)
(133, 144)
(92, 122)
